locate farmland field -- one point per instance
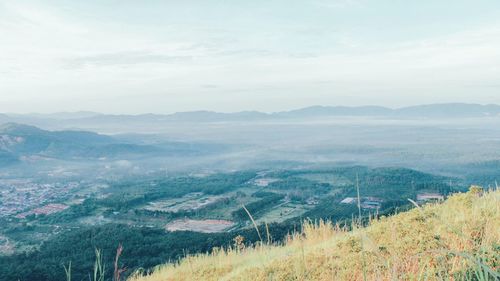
(204, 226)
(283, 212)
(192, 201)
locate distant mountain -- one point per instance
(24, 139)
(336, 111)
(447, 110)
(4, 118)
(7, 158)
(18, 141)
(65, 115)
(22, 130)
(216, 116)
(192, 116)
(14, 128)
(450, 110)
(92, 120)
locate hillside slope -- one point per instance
(456, 240)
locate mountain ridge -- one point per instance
(19, 140)
(425, 110)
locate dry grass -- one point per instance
(456, 240)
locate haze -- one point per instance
(169, 56)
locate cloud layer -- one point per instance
(166, 56)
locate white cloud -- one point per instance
(51, 57)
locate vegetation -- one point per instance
(258, 208)
(45, 242)
(142, 248)
(128, 195)
(456, 240)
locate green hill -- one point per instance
(455, 240)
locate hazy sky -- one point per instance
(128, 56)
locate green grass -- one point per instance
(283, 212)
(454, 240)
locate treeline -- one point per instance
(143, 248)
(148, 247)
(87, 207)
(295, 183)
(129, 195)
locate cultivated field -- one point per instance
(192, 201)
(205, 226)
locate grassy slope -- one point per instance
(437, 242)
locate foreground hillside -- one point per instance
(456, 240)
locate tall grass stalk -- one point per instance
(67, 270)
(363, 259)
(268, 234)
(359, 198)
(482, 270)
(254, 223)
(118, 270)
(99, 267)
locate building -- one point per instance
(424, 197)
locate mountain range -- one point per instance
(447, 110)
(63, 141)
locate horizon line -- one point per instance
(249, 110)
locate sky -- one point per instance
(127, 56)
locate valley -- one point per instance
(192, 187)
(209, 206)
(249, 140)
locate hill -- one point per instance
(455, 240)
(20, 141)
